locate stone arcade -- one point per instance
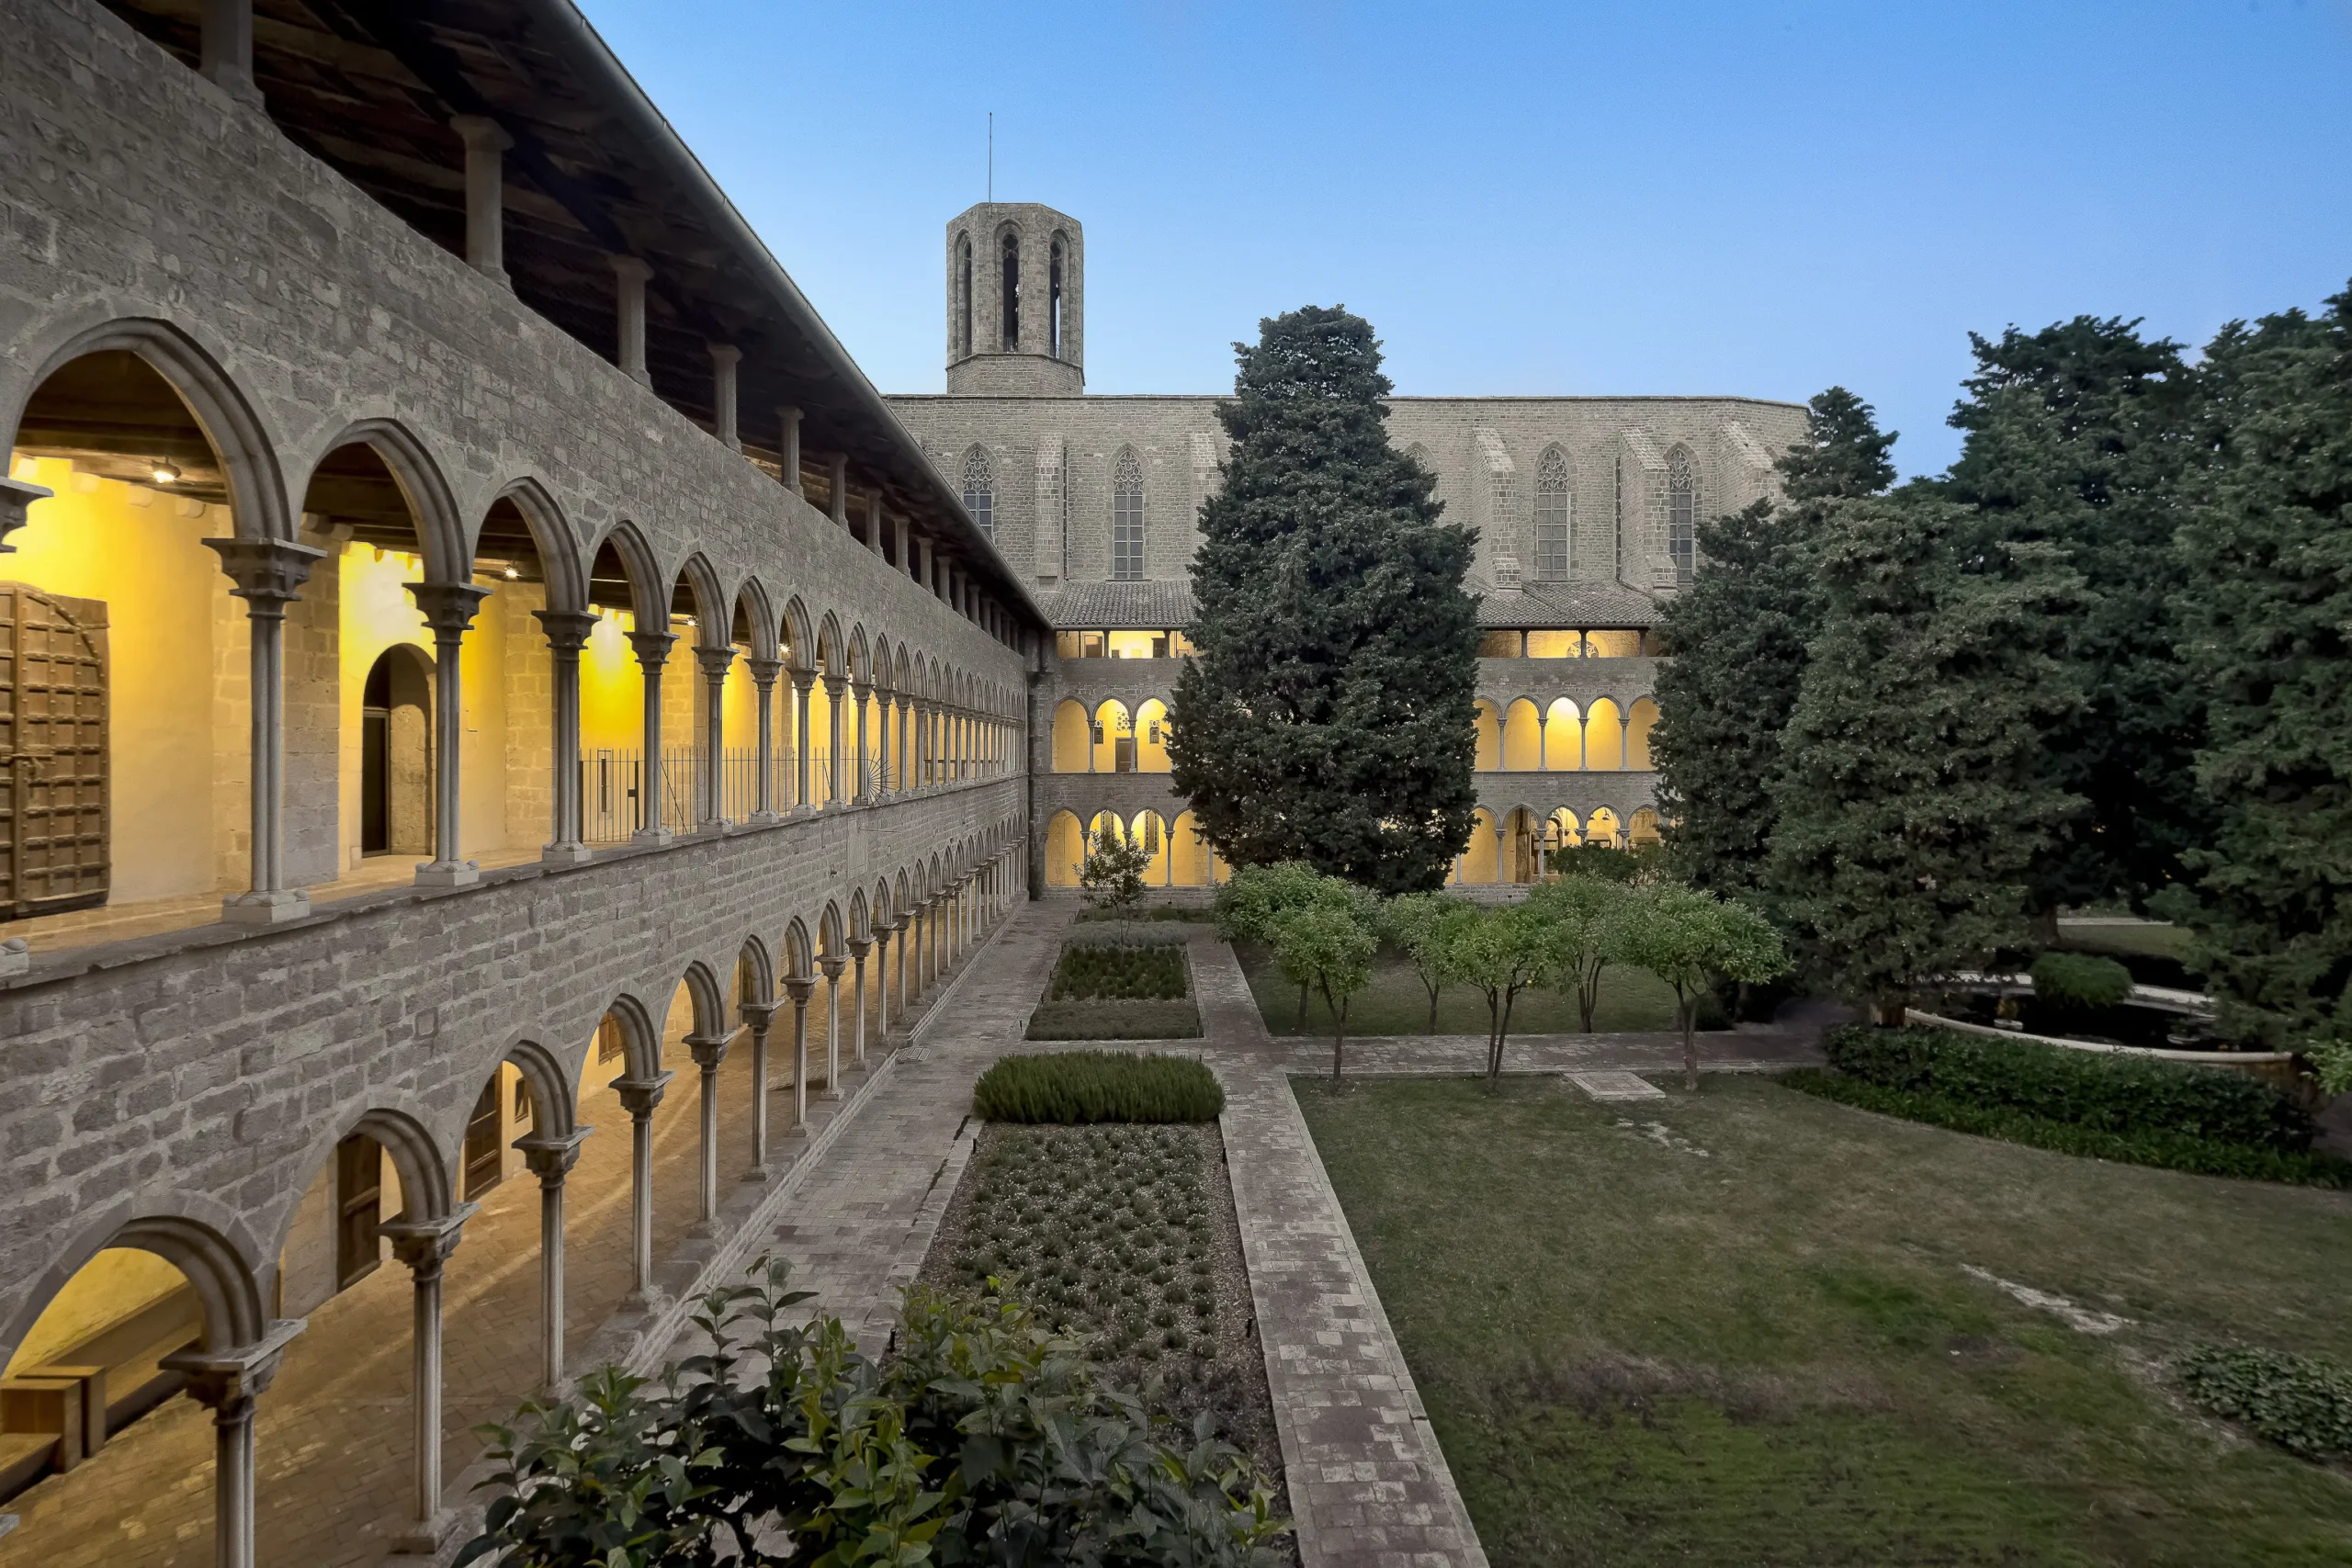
(477, 650)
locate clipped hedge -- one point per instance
(2154, 1148)
(2080, 979)
(2110, 1092)
(1123, 971)
(2301, 1403)
(1098, 1086)
(1177, 1020)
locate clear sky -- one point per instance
(1755, 197)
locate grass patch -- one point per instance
(1120, 971)
(1775, 1354)
(2156, 1147)
(1394, 1003)
(1098, 1086)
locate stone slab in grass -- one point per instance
(1615, 1086)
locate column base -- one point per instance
(803, 810)
(715, 827)
(653, 836)
(758, 1174)
(449, 874)
(16, 956)
(566, 854)
(266, 908)
(427, 1538)
(765, 818)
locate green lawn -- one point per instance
(1396, 1003)
(2165, 942)
(1774, 1353)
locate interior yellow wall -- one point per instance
(1112, 716)
(1604, 738)
(1482, 855)
(1638, 724)
(128, 546)
(1188, 852)
(1490, 739)
(1132, 645)
(1522, 738)
(612, 688)
(1554, 645)
(1565, 821)
(1613, 645)
(1152, 757)
(1602, 828)
(1142, 828)
(112, 1288)
(1563, 738)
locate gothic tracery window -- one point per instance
(1681, 514)
(980, 491)
(1127, 520)
(1551, 515)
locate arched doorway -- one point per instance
(396, 753)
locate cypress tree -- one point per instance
(2266, 608)
(1736, 640)
(1909, 807)
(1328, 715)
(2079, 434)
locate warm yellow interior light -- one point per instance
(165, 473)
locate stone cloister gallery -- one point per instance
(493, 701)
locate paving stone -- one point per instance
(1604, 1084)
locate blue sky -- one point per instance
(1758, 198)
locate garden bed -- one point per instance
(1119, 983)
(1124, 1239)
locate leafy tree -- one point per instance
(1910, 802)
(1500, 952)
(1248, 907)
(1414, 924)
(2078, 436)
(1690, 939)
(1331, 948)
(1112, 874)
(2265, 607)
(1579, 916)
(1642, 864)
(1738, 638)
(1328, 715)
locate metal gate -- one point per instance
(53, 824)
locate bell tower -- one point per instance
(1016, 301)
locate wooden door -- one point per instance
(481, 1142)
(53, 839)
(359, 1207)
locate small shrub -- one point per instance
(2154, 1148)
(2301, 1403)
(1112, 874)
(2081, 979)
(1098, 1086)
(2109, 1092)
(1121, 970)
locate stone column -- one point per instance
(225, 57)
(568, 633)
(899, 928)
(486, 142)
(859, 946)
(713, 663)
(448, 608)
(757, 1017)
(764, 674)
(229, 1384)
(629, 275)
(799, 990)
(882, 931)
(840, 488)
(838, 768)
(724, 357)
(652, 652)
(552, 1160)
(425, 1246)
(789, 419)
(801, 680)
(708, 1052)
(639, 1098)
(831, 965)
(860, 696)
(268, 574)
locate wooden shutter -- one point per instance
(53, 823)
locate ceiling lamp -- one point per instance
(165, 473)
(512, 575)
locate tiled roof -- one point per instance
(1576, 604)
(1142, 606)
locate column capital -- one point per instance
(714, 661)
(835, 685)
(14, 496)
(724, 354)
(859, 946)
(425, 1245)
(268, 573)
(832, 965)
(764, 671)
(653, 647)
(708, 1049)
(802, 679)
(447, 607)
(800, 987)
(568, 630)
(481, 133)
(631, 269)
(223, 1380)
(758, 1015)
(551, 1158)
(640, 1095)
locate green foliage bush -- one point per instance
(2150, 1147)
(2080, 979)
(2301, 1403)
(1125, 970)
(1098, 1086)
(1177, 1020)
(983, 1440)
(2110, 1092)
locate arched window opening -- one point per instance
(1551, 515)
(964, 296)
(1127, 520)
(396, 754)
(1054, 302)
(980, 491)
(1012, 291)
(1681, 514)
